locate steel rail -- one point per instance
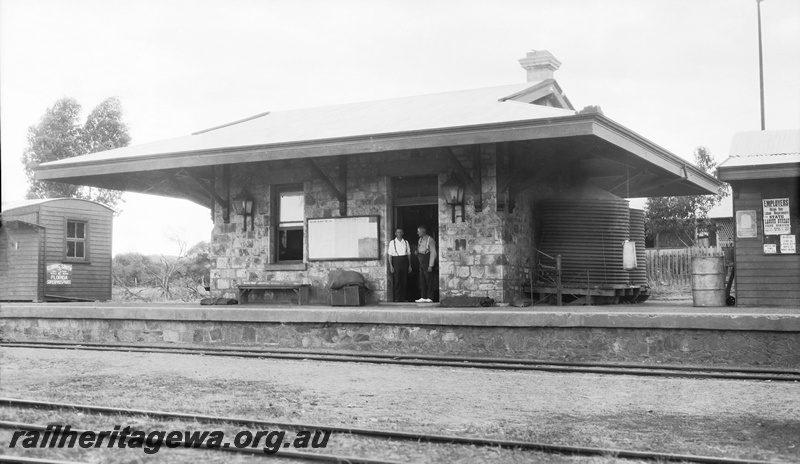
(486, 359)
(495, 364)
(8, 459)
(248, 450)
(387, 434)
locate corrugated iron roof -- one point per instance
(771, 142)
(758, 148)
(417, 113)
(760, 160)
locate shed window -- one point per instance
(291, 213)
(76, 240)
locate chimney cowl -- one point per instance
(540, 65)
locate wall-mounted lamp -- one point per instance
(244, 205)
(453, 192)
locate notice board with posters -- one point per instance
(780, 225)
(344, 238)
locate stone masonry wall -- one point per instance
(489, 254)
(473, 259)
(519, 232)
(668, 346)
(244, 256)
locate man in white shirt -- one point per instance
(399, 264)
(426, 253)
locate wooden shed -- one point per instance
(764, 172)
(55, 250)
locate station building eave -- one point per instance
(617, 150)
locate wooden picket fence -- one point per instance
(673, 266)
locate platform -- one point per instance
(646, 332)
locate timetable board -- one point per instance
(344, 238)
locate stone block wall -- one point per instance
(489, 254)
(668, 346)
(239, 254)
(473, 258)
(492, 253)
(367, 194)
(520, 233)
(246, 256)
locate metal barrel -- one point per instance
(708, 281)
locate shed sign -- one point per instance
(776, 216)
(59, 274)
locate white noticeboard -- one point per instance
(345, 238)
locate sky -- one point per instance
(682, 73)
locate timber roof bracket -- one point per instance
(627, 179)
(684, 177)
(472, 183)
(340, 195)
(207, 188)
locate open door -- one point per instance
(416, 204)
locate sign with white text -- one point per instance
(59, 274)
(788, 244)
(776, 216)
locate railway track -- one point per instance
(701, 372)
(6, 459)
(318, 457)
(374, 433)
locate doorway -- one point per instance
(416, 204)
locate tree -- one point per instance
(198, 265)
(182, 276)
(59, 135)
(131, 269)
(681, 217)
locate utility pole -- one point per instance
(761, 66)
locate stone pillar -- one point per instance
(473, 259)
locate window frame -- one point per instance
(297, 225)
(85, 240)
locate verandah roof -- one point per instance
(486, 115)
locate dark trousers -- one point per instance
(400, 277)
(425, 276)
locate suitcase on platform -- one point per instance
(350, 295)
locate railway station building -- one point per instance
(497, 175)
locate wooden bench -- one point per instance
(301, 290)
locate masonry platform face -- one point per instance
(646, 333)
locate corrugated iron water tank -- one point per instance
(587, 227)
(638, 275)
